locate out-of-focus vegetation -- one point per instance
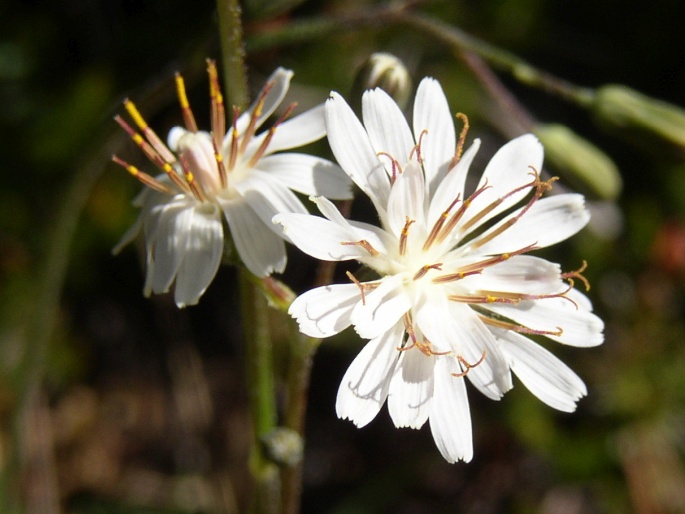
(112, 403)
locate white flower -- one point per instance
(238, 175)
(457, 293)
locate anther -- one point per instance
(364, 244)
(270, 134)
(404, 235)
(467, 365)
(218, 113)
(150, 134)
(519, 328)
(417, 147)
(396, 168)
(425, 268)
(460, 143)
(362, 286)
(143, 177)
(188, 117)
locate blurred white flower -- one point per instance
(456, 294)
(239, 175)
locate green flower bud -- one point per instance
(580, 162)
(645, 120)
(387, 72)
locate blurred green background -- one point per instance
(115, 403)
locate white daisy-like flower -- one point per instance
(457, 295)
(238, 176)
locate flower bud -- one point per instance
(387, 72)
(582, 164)
(643, 119)
(283, 446)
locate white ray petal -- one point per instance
(300, 130)
(325, 311)
(203, 251)
(259, 247)
(169, 243)
(408, 201)
(308, 174)
(411, 389)
(364, 387)
(387, 128)
(438, 144)
(542, 373)
(352, 149)
(383, 307)
(450, 417)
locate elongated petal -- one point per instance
(383, 307)
(578, 326)
(201, 259)
(510, 168)
(169, 243)
(407, 202)
(308, 174)
(542, 373)
(364, 387)
(438, 143)
(387, 128)
(450, 417)
(130, 234)
(548, 222)
(411, 389)
(325, 311)
(301, 130)
(523, 274)
(353, 151)
(261, 250)
(321, 238)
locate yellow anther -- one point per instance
(135, 115)
(181, 91)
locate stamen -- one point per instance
(218, 113)
(540, 188)
(417, 147)
(195, 188)
(519, 328)
(395, 165)
(150, 134)
(152, 154)
(425, 268)
(460, 143)
(143, 177)
(270, 134)
(424, 346)
(219, 163)
(404, 235)
(478, 267)
(438, 224)
(363, 286)
(467, 365)
(578, 274)
(449, 227)
(364, 244)
(256, 113)
(233, 156)
(188, 117)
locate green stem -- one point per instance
(233, 53)
(260, 391)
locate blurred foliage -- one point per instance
(142, 408)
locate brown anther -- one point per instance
(218, 113)
(396, 168)
(417, 147)
(438, 224)
(405, 234)
(467, 365)
(363, 287)
(364, 244)
(447, 229)
(519, 328)
(235, 137)
(223, 176)
(577, 274)
(460, 143)
(143, 177)
(256, 114)
(195, 188)
(425, 268)
(269, 135)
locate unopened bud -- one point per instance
(387, 72)
(647, 121)
(283, 446)
(581, 163)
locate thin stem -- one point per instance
(260, 391)
(302, 351)
(233, 53)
